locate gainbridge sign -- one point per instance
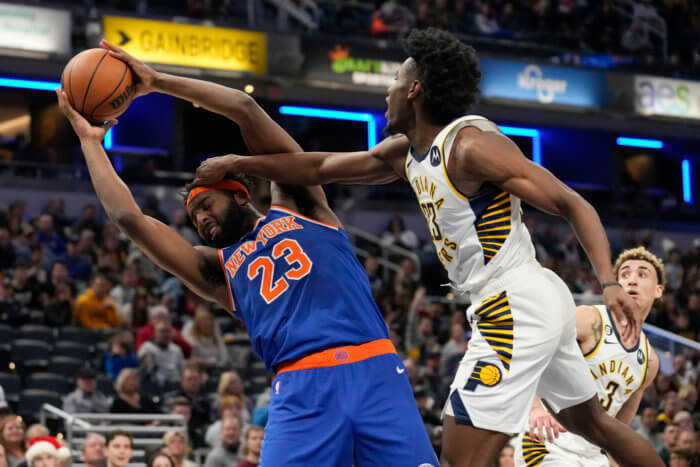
(188, 45)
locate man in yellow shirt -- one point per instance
(95, 309)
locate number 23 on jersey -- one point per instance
(288, 250)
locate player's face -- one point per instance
(397, 99)
(219, 219)
(639, 280)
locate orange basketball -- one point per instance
(98, 85)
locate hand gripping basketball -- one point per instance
(145, 75)
(82, 127)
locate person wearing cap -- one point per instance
(86, 398)
(95, 309)
(46, 451)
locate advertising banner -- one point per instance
(188, 45)
(35, 29)
(666, 96)
(542, 83)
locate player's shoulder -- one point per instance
(392, 147)
(588, 319)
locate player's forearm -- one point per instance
(591, 234)
(111, 190)
(216, 98)
(294, 169)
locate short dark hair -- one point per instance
(448, 70)
(113, 434)
(235, 176)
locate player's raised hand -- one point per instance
(146, 76)
(544, 426)
(82, 127)
(627, 312)
(214, 169)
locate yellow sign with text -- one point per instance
(187, 45)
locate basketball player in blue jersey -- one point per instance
(621, 373)
(340, 395)
(469, 180)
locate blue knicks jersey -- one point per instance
(299, 288)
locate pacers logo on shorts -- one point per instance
(484, 374)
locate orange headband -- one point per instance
(230, 185)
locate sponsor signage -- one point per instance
(35, 29)
(666, 96)
(349, 63)
(188, 45)
(542, 83)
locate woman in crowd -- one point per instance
(161, 460)
(47, 451)
(12, 439)
(230, 384)
(120, 354)
(129, 399)
(176, 447)
(252, 446)
(204, 336)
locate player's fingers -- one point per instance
(105, 44)
(109, 124)
(64, 106)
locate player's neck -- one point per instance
(423, 133)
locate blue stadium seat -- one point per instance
(48, 382)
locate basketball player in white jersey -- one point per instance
(469, 179)
(621, 373)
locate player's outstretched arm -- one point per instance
(196, 267)
(381, 164)
(489, 156)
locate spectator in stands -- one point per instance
(231, 407)
(485, 21)
(688, 396)
(648, 427)
(58, 307)
(86, 398)
(46, 451)
(161, 360)
(95, 309)
(180, 224)
(671, 407)
(686, 439)
(130, 399)
(160, 460)
(12, 439)
(373, 274)
(507, 457)
(47, 237)
(156, 314)
(225, 453)
(34, 431)
(176, 447)
(684, 421)
(79, 266)
(397, 234)
(11, 310)
(670, 438)
(252, 446)
(94, 450)
(87, 245)
(681, 458)
(88, 220)
(120, 354)
(126, 289)
(118, 448)
(182, 406)
(135, 313)
(455, 347)
(3, 456)
(231, 384)
(190, 388)
(204, 336)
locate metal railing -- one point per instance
(386, 251)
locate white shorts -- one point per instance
(529, 452)
(523, 343)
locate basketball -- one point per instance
(98, 85)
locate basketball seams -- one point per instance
(126, 69)
(87, 88)
(70, 86)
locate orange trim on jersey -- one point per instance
(230, 185)
(255, 226)
(281, 208)
(228, 284)
(339, 356)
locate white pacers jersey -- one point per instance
(618, 372)
(477, 237)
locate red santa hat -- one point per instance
(46, 445)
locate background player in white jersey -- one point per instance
(469, 180)
(621, 373)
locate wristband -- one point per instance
(610, 284)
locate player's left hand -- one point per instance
(626, 310)
(82, 127)
(214, 169)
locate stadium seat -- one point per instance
(11, 385)
(30, 354)
(66, 365)
(105, 385)
(7, 333)
(37, 332)
(71, 349)
(77, 335)
(31, 400)
(48, 382)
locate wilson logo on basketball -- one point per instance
(121, 98)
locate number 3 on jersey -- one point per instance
(294, 255)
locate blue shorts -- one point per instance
(361, 414)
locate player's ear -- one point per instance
(415, 89)
(659, 291)
(241, 198)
